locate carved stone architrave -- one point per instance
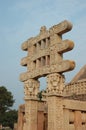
(45, 52)
(55, 83)
(31, 88)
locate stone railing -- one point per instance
(77, 88)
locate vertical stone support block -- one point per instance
(31, 110)
(20, 120)
(15, 127)
(78, 120)
(55, 101)
(24, 127)
(66, 119)
(40, 120)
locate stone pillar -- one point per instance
(20, 119)
(55, 85)
(78, 120)
(66, 119)
(15, 127)
(31, 103)
(40, 120)
(31, 114)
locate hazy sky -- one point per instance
(22, 19)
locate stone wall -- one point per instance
(41, 117)
(74, 115)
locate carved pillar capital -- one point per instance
(55, 83)
(31, 88)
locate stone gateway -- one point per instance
(61, 107)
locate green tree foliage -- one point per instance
(7, 116)
(40, 94)
(6, 99)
